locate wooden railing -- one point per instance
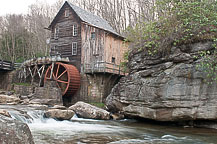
(7, 65)
(17, 65)
(99, 67)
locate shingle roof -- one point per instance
(92, 19)
(89, 18)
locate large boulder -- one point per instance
(170, 88)
(5, 99)
(59, 114)
(85, 110)
(14, 132)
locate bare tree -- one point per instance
(25, 35)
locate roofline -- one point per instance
(121, 37)
(58, 13)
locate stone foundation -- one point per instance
(94, 88)
(49, 94)
(24, 90)
(7, 78)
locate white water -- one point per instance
(82, 131)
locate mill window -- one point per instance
(56, 32)
(66, 13)
(75, 30)
(113, 59)
(54, 50)
(93, 35)
(74, 48)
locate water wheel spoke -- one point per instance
(58, 67)
(61, 74)
(66, 82)
(58, 86)
(47, 74)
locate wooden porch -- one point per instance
(104, 67)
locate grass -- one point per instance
(22, 84)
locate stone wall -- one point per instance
(94, 87)
(24, 90)
(168, 88)
(49, 94)
(6, 79)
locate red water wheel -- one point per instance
(66, 75)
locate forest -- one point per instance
(146, 21)
(24, 36)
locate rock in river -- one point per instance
(85, 110)
(59, 114)
(14, 132)
(4, 99)
(4, 112)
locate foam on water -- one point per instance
(79, 130)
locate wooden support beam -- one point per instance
(52, 67)
(30, 72)
(41, 76)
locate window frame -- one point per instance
(93, 35)
(66, 13)
(56, 32)
(113, 60)
(74, 49)
(75, 30)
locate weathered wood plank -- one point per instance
(6, 65)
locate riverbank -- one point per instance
(79, 130)
(63, 126)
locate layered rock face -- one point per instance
(168, 88)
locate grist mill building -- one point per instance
(92, 46)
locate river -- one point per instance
(88, 131)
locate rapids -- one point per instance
(88, 131)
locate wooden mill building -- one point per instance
(92, 46)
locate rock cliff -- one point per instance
(167, 88)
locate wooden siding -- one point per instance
(97, 53)
(114, 47)
(63, 44)
(91, 51)
(92, 48)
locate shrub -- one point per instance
(178, 22)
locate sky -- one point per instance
(17, 6)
